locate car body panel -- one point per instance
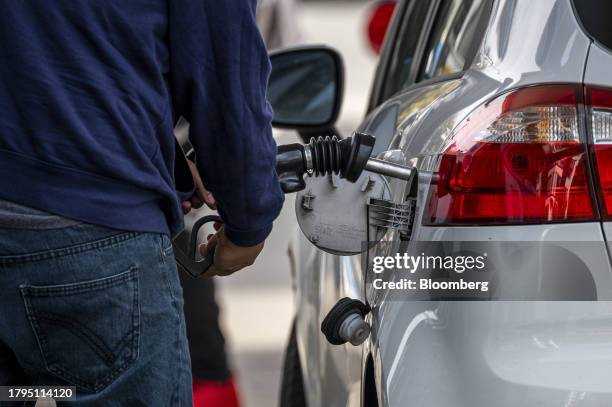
(331, 374)
(469, 354)
(597, 72)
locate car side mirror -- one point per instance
(306, 87)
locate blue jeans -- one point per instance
(94, 308)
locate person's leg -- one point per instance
(206, 341)
(98, 309)
(213, 384)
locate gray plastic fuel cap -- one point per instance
(332, 212)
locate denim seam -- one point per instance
(169, 287)
(168, 251)
(182, 362)
(83, 287)
(175, 395)
(136, 319)
(106, 242)
(164, 252)
(35, 328)
(96, 344)
(61, 373)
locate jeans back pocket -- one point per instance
(88, 332)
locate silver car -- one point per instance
(504, 107)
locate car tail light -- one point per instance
(600, 112)
(517, 159)
(378, 23)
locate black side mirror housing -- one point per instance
(306, 88)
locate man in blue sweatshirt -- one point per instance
(89, 93)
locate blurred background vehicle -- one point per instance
(379, 18)
(279, 23)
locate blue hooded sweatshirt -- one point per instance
(90, 91)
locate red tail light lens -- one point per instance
(600, 101)
(518, 159)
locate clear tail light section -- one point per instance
(600, 112)
(517, 159)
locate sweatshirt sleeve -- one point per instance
(218, 73)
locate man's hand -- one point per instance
(201, 196)
(229, 258)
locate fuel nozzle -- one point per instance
(329, 155)
(323, 156)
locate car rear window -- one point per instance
(453, 38)
(595, 18)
